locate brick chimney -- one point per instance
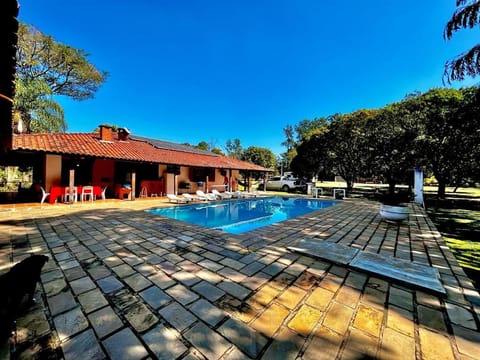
(106, 133)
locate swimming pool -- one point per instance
(239, 216)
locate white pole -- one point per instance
(418, 182)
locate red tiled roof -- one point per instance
(86, 144)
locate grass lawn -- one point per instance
(457, 217)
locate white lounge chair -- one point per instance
(209, 197)
(190, 197)
(221, 195)
(176, 199)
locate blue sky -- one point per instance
(191, 71)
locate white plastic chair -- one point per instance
(87, 192)
(66, 195)
(143, 192)
(103, 192)
(44, 195)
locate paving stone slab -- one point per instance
(140, 317)
(212, 315)
(177, 316)
(61, 302)
(155, 297)
(336, 253)
(207, 341)
(92, 300)
(404, 271)
(109, 284)
(165, 343)
(83, 346)
(105, 321)
(412, 273)
(124, 345)
(70, 323)
(247, 339)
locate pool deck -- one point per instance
(125, 284)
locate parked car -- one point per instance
(283, 183)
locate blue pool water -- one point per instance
(239, 216)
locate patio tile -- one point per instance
(305, 319)
(84, 345)
(137, 282)
(324, 346)
(55, 287)
(155, 297)
(165, 343)
(244, 337)
(210, 314)
(401, 320)
(82, 285)
(140, 317)
(182, 294)
(460, 316)
(208, 342)
(70, 323)
(124, 345)
(431, 318)
(177, 316)
(338, 318)
(99, 272)
(369, 320)
(61, 302)
(209, 291)
(105, 321)
(92, 300)
(270, 320)
(434, 345)
(286, 343)
(468, 341)
(234, 289)
(397, 346)
(109, 284)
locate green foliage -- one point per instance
(46, 68)
(202, 145)
(234, 148)
(467, 15)
(259, 156)
(437, 130)
(35, 106)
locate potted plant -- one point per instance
(395, 206)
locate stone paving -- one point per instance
(125, 284)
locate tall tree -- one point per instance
(391, 135)
(467, 15)
(449, 140)
(312, 157)
(46, 68)
(35, 107)
(348, 145)
(259, 156)
(233, 148)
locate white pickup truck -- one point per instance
(284, 183)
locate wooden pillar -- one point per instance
(134, 180)
(230, 184)
(206, 184)
(71, 185)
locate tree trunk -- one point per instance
(391, 187)
(441, 189)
